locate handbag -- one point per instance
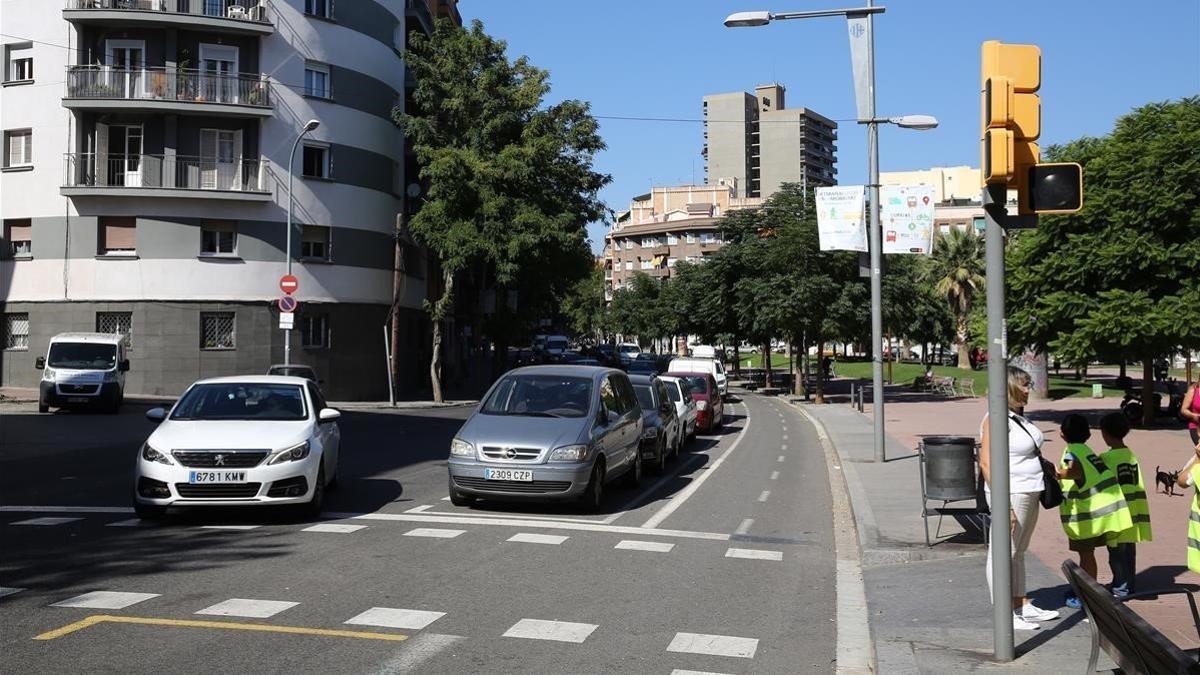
(1051, 495)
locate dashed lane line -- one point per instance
(754, 554)
(781, 458)
(219, 625)
(558, 631)
(714, 645)
(652, 546)
(764, 495)
(334, 528)
(744, 527)
(529, 538)
(47, 521)
(433, 533)
(774, 475)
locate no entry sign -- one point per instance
(289, 284)
(287, 304)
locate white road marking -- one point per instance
(714, 645)
(781, 458)
(230, 527)
(446, 499)
(635, 545)
(334, 528)
(67, 509)
(9, 591)
(744, 527)
(105, 600)
(693, 672)
(132, 522)
(785, 437)
(46, 521)
(753, 554)
(246, 607)
(692, 462)
(774, 475)
(387, 617)
(416, 652)
(684, 494)
(420, 509)
(764, 495)
(529, 538)
(558, 519)
(433, 532)
(560, 631)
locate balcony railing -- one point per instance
(243, 10)
(167, 84)
(163, 171)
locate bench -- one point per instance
(943, 386)
(1134, 644)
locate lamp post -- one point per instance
(867, 106)
(287, 332)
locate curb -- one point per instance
(400, 405)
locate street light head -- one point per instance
(311, 124)
(918, 122)
(747, 19)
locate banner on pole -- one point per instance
(840, 222)
(859, 26)
(906, 213)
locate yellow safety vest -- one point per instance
(1193, 539)
(1129, 475)
(1095, 506)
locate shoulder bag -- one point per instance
(1052, 495)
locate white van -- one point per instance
(694, 365)
(83, 369)
(704, 352)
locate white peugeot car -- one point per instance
(230, 441)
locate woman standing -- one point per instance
(1025, 484)
(1190, 410)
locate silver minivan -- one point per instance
(548, 433)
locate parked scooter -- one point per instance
(1133, 406)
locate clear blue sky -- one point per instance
(657, 58)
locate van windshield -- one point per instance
(82, 356)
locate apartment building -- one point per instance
(957, 191)
(757, 140)
(144, 186)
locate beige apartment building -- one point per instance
(957, 190)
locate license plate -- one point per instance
(522, 475)
(77, 399)
(198, 477)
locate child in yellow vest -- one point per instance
(1122, 546)
(1191, 478)
(1093, 504)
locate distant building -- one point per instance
(957, 190)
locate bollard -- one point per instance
(853, 394)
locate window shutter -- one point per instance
(101, 154)
(119, 234)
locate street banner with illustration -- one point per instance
(840, 218)
(906, 214)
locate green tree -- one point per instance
(956, 270)
(508, 180)
(585, 308)
(637, 309)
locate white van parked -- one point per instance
(83, 369)
(694, 365)
(704, 352)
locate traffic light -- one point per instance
(1054, 188)
(1012, 111)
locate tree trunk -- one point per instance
(792, 363)
(438, 315)
(964, 359)
(1122, 366)
(1147, 391)
(819, 377)
(767, 365)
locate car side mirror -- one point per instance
(123, 366)
(328, 415)
(156, 415)
(40, 363)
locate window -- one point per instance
(628, 244)
(628, 265)
(314, 242)
(314, 331)
(693, 259)
(18, 147)
(217, 330)
(316, 161)
(16, 331)
(18, 62)
(672, 240)
(647, 264)
(707, 238)
(18, 232)
(671, 262)
(218, 237)
(321, 8)
(316, 79)
(117, 235)
(649, 242)
(116, 323)
(691, 238)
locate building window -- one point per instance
(18, 232)
(116, 323)
(314, 331)
(16, 331)
(18, 147)
(18, 62)
(671, 262)
(117, 235)
(316, 161)
(316, 79)
(691, 238)
(647, 264)
(707, 238)
(218, 237)
(217, 330)
(314, 242)
(672, 240)
(628, 265)
(321, 8)
(628, 244)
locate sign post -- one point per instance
(288, 284)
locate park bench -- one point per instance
(966, 387)
(944, 386)
(1137, 647)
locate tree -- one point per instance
(585, 307)
(956, 270)
(507, 179)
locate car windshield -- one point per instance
(241, 401)
(83, 355)
(698, 384)
(540, 396)
(645, 396)
(673, 391)
(556, 344)
(629, 349)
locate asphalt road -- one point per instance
(722, 565)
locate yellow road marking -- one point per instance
(220, 625)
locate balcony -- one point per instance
(91, 175)
(175, 90)
(243, 17)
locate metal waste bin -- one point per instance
(948, 475)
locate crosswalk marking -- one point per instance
(774, 475)
(334, 528)
(677, 671)
(714, 645)
(559, 631)
(529, 538)
(9, 591)
(105, 600)
(635, 545)
(46, 521)
(388, 617)
(433, 532)
(230, 527)
(764, 495)
(744, 527)
(781, 457)
(132, 522)
(249, 608)
(753, 554)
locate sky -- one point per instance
(658, 58)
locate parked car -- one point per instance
(661, 433)
(83, 370)
(627, 352)
(238, 441)
(710, 409)
(685, 407)
(548, 433)
(693, 365)
(295, 370)
(644, 364)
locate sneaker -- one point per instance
(1031, 612)
(1022, 624)
(1072, 601)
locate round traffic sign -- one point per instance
(288, 304)
(289, 284)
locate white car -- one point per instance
(231, 441)
(694, 365)
(685, 405)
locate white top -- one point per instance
(1024, 468)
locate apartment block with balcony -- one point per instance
(144, 187)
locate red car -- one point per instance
(710, 410)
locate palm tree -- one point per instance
(956, 269)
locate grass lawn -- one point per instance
(1060, 387)
(755, 360)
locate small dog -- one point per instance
(1166, 479)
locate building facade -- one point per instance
(144, 187)
(957, 191)
(757, 140)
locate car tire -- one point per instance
(316, 504)
(43, 407)
(149, 511)
(459, 498)
(633, 477)
(593, 495)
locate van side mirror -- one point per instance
(123, 366)
(40, 363)
(156, 415)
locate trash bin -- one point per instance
(949, 467)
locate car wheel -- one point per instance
(149, 511)
(43, 407)
(317, 503)
(459, 498)
(633, 477)
(593, 496)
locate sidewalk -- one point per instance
(23, 395)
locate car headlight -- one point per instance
(650, 432)
(48, 374)
(569, 453)
(461, 448)
(296, 452)
(701, 405)
(151, 455)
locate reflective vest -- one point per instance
(1095, 506)
(1193, 539)
(1129, 475)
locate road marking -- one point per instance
(753, 554)
(334, 528)
(785, 437)
(684, 494)
(222, 625)
(67, 509)
(774, 475)
(558, 519)
(528, 538)
(446, 499)
(420, 509)
(762, 497)
(248, 608)
(693, 672)
(560, 631)
(433, 532)
(781, 458)
(692, 462)
(105, 600)
(635, 545)
(714, 645)
(132, 522)
(418, 650)
(387, 617)
(744, 527)
(9, 591)
(525, 523)
(46, 521)
(230, 527)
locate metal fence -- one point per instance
(163, 84)
(218, 330)
(116, 323)
(243, 10)
(163, 171)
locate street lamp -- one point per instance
(287, 332)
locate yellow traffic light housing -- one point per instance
(1022, 64)
(1010, 76)
(998, 164)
